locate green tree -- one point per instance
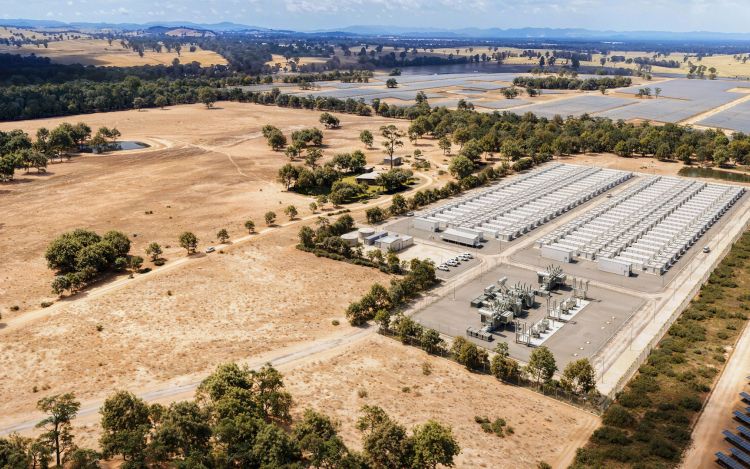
(329, 121)
(139, 103)
(391, 83)
(541, 366)
(183, 432)
(392, 140)
(250, 226)
(126, 425)
(445, 144)
(374, 215)
(276, 140)
(367, 138)
(274, 448)
(431, 341)
(398, 205)
(468, 354)
(307, 237)
(154, 250)
(288, 175)
(291, 212)
(384, 441)
(15, 452)
(57, 434)
(188, 241)
(461, 167)
(207, 96)
(222, 235)
(319, 441)
(579, 376)
(84, 459)
(270, 218)
(394, 179)
(433, 445)
(312, 157)
(161, 101)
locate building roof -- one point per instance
(367, 176)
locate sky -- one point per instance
(310, 15)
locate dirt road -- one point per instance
(717, 414)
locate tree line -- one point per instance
(571, 83)
(239, 418)
(33, 70)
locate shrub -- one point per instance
(617, 416)
(611, 435)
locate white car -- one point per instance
(706, 249)
(451, 263)
(443, 268)
(210, 249)
(467, 254)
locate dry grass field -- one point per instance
(207, 170)
(393, 378)
(87, 51)
(257, 297)
(282, 62)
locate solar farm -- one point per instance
(739, 451)
(679, 100)
(574, 255)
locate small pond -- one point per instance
(729, 176)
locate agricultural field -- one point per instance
(88, 51)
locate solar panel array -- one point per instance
(690, 97)
(583, 104)
(649, 226)
(501, 103)
(735, 118)
(509, 209)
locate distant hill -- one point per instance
(223, 27)
(197, 29)
(536, 33)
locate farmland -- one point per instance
(89, 51)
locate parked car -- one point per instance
(210, 249)
(706, 249)
(468, 254)
(443, 268)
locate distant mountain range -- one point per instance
(392, 31)
(223, 27)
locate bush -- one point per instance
(611, 435)
(617, 416)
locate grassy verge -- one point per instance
(650, 423)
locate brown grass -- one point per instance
(207, 170)
(98, 52)
(545, 429)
